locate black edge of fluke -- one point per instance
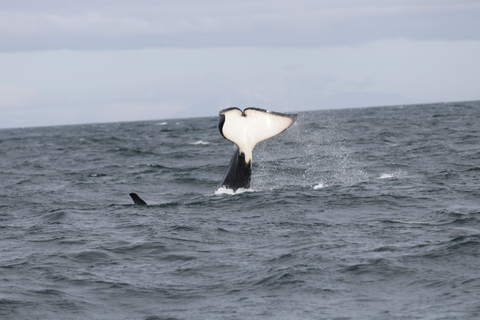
(137, 199)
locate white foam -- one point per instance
(321, 185)
(395, 174)
(385, 176)
(223, 190)
(161, 124)
(200, 142)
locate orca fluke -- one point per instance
(247, 128)
(137, 199)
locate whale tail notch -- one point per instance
(246, 129)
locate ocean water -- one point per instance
(367, 213)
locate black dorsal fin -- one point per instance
(137, 199)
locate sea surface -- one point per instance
(369, 213)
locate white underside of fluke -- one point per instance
(248, 128)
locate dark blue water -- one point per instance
(353, 214)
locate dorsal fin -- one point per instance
(137, 199)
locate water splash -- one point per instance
(321, 185)
(313, 151)
(223, 190)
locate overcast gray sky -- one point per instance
(65, 62)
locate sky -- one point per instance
(90, 61)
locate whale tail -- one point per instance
(246, 129)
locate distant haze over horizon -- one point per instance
(165, 121)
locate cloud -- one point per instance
(12, 97)
(65, 87)
(86, 25)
